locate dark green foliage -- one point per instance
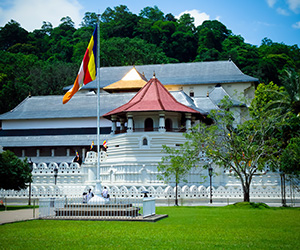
(14, 173)
(125, 51)
(290, 159)
(247, 205)
(11, 34)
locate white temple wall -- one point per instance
(130, 148)
(240, 88)
(129, 180)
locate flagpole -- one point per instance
(98, 183)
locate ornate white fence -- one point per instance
(73, 180)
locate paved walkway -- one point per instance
(18, 215)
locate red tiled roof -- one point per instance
(152, 97)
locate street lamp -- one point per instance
(55, 173)
(30, 163)
(210, 173)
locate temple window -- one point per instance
(145, 142)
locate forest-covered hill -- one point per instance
(44, 61)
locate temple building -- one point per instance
(141, 108)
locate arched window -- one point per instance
(145, 142)
(168, 124)
(148, 124)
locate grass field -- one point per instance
(228, 227)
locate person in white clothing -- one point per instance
(105, 193)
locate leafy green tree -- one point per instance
(60, 44)
(90, 19)
(81, 38)
(118, 22)
(49, 78)
(14, 173)
(244, 148)
(184, 42)
(280, 106)
(11, 34)
(280, 56)
(291, 101)
(152, 13)
(212, 33)
(264, 95)
(125, 51)
(290, 158)
(14, 82)
(170, 17)
(175, 166)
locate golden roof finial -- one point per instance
(207, 94)
(154, 74)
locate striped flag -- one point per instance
(92, 145)
(104, 144)
(88, 68)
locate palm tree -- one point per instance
(288, 101)
(286, 108)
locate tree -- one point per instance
(290, 158)
(244, 148)
(90, 19)
(125, 51)
(118, 22)
(152, 13)
(176, 165)
(14, 173)
(11, 34)
(281, 104)
(184, 41)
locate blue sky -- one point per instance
(278, 20)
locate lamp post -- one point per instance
(30, 163)
(55, 173)
(210, 173)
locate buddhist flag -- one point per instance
(92, 145)
(88, 68)
(104, 144)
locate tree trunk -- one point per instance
(176, 198)
(246, 189)
(283, 195)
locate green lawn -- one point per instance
(186, 228)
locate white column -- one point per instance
(188, 123)
(114, 124)
(68, 152)
(23, 152)
(162, 126)
(37, 153)
(52, 152)
(83, 154)
(129, 123)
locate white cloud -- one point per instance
(199, 17)
(31, 13)
(294, 5)
(282, 12)
(296, 25)
(271, 3)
